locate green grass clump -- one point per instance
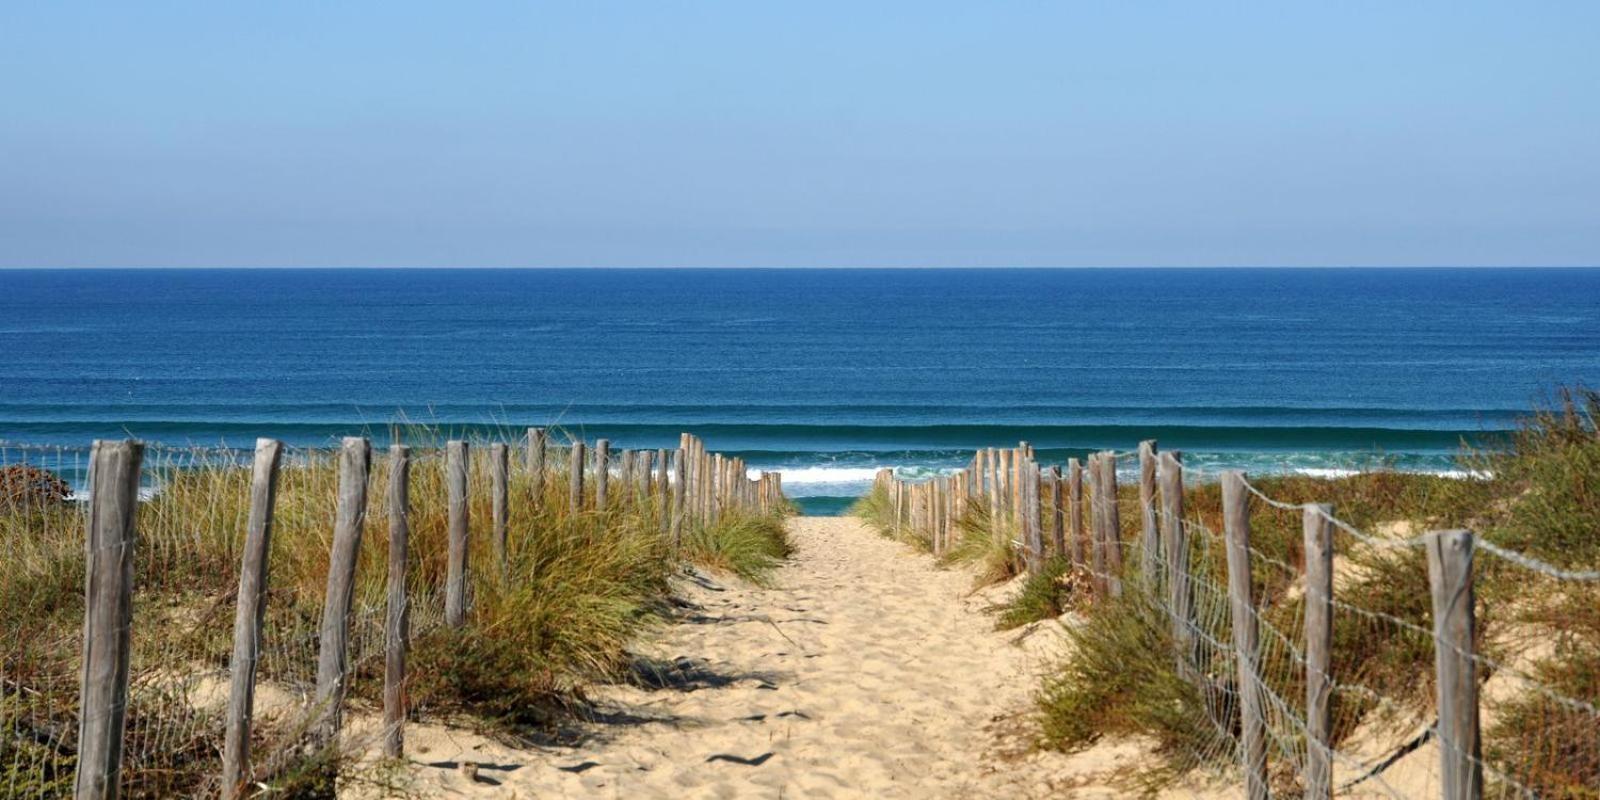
(1121, 678)
(747, 545)
(976, 539)
(1046, 594)
(1538, 492)
(574, 589)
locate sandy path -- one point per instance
(864, 672)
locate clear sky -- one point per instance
(757, 133)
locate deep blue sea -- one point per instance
(826, 374)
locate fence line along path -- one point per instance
(1287, 709)
(169, 701)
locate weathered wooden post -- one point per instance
(1246, 645)
(500, 504)
(1058, 515)
(900, 506)
(1018, 476)
(1150, 544)
(397, 620)
(456, 466)
(1005, 481)
(1175, 544)
(248, 617)
(642, 476)
(1454, 624)
(624, 461)
(1097, 539)
(1075, 532)
(1113, 523)
(994, 490)
(355, 462)
(537, 441)
(679, 508)
(108, 616)
(602, 474)
(575, 466)
(663, 470)
(1317, 526)
(1033, 538)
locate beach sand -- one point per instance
(864, 671)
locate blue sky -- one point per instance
(799, 134)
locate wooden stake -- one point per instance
(1246, 646)
(679, 508)
(1113, 523)
(500, 503)
(1317, 526)
(355, 462)
(537, 442)
(1075, 532)
(248, 618)
(1175, 544)
(1150, 543)
(108, 616)
(1454, 623)
(575, 466)
(397, 620)
(602, 474)
(456, 466)
(1058, 514)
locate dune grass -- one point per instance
(979, 540)
(575, 588)
(1538, 493)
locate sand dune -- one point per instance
(864, 672)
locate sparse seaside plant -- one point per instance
(1537, 493)
(573, 591)
(976, 540)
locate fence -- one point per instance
(161, 696)
(1297, 632)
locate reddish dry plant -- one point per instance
(25, 486)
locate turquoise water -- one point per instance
(826, 374)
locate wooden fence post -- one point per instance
(355, 462)
(994, 490)
(642, 479)
(1097, 539)
(108, 616)
(625, 474)
(456, 466)
(1317, 526)
(397, 620)
(1151, 541)
(663, 470)
(1034, 538)
(575, 466)
(1175, 542)
(1005, 482)
(1113, 526)
(602, 473)
(500, 508)
(1058, 514)
(1454, 624)
(1246, 645)
(1075, 511)
(248, 617)
(536, 453)
(679, 507)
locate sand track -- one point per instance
(863, 672)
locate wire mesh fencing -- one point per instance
(1308, 656)
(167, 690)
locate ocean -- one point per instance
(827, 375)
